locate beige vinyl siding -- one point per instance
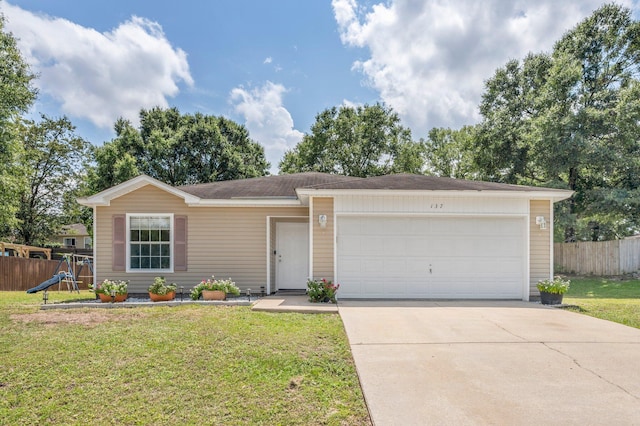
(322, 239)
(223, 241)
(539, 244)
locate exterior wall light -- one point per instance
(541, 222)
(322, 220)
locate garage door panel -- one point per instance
(387, 257)
(350, 244)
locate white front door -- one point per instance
(292, 255)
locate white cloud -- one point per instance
(100, 76)
(429, 59)
(268, 60)
(268, 122)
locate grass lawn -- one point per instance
(607, 298)
(173, 365)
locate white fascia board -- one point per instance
(104, 198)
(267, 202)
(555, 195)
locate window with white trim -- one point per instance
(149, 242)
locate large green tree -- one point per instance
(449, 152)
(53, 161)
(356, 141)
(178, 149)
(571, 119)
(16, 95)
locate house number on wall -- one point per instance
(437, 205)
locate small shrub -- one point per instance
(322, 291)
(160, 286)
(228, 286)
(108, 286)
(555, 286)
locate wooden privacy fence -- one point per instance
(617, 257)
(21, 274)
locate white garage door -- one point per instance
(417, 257)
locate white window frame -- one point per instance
(87, 243)
(128, 242)
(71, 240)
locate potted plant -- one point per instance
(551, 291)
(112, 291)
(213, 289)
(160, 291)
(322, 291)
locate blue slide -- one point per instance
(48, 283)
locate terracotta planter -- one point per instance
(105, 298)
(213, 295)
(550, 298)
(162, 297)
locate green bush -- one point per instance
(107, 286)
(160, 287)
(556, 286)
(228, 286)
(322, 291)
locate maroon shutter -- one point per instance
(119, 241)
(180, 243)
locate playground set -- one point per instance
(21, 250)
(69, 276)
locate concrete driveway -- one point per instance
(492, 363)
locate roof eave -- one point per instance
(266, 202)
(105, 197)
(552, 194)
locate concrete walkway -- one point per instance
(497, 363)
(293, 303)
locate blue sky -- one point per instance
(273, 65)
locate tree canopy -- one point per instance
(568, 119)
(178, 149)
(53, 164)
(16, 95)
(356, 141)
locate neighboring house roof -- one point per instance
(294, 188)
(75, 229)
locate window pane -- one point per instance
(149, 238)
(135, 223)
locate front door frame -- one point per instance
(271, 244)
(299, 252)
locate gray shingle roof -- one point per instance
(284, 186)
(277, 186)
(424, 183)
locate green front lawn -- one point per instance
(607, 298)
(181, 365)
